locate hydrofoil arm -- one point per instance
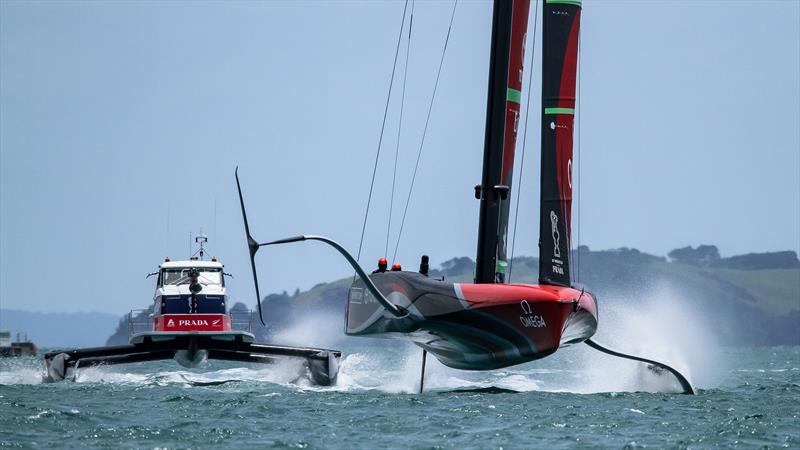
(253, 246)
(685, 385)
(391, 307)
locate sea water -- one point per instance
(748, 398)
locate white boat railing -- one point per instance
(139, 321)
(242, 320)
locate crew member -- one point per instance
(382, 265)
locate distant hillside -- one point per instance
(753, 299)
(59, 329)
(749, 299)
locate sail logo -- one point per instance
(555, 233)
(171, 323)
(557, 262)
(215, 323)
(528, 318)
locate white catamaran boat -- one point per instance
(190, 321)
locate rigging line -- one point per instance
(383, 127)
(524, 138)
(424, 131)
(399, 130)
(578, 119)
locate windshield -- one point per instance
(180, 275)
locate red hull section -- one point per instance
(192, 322)
(474, 326)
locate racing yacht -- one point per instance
(491, 323)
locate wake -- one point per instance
(661, 329)
(377, 371)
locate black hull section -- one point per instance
(471, 326)
(189, 351)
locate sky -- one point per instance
(121, 124)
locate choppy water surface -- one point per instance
(751, 399)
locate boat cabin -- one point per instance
(190, 296)
(20, 347)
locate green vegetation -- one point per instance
(748, 300)
(755, 306)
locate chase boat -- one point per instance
(190, 322)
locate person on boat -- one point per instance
(382, 265)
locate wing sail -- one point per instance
(561, 24)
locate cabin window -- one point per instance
(179, 304)
(210, 304)
(180, 275)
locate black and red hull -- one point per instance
(474, 326)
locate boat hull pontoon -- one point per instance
(191, 348)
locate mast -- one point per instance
(509, 26)
(560, 25)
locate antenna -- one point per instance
(201, 239)
(166, 237)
